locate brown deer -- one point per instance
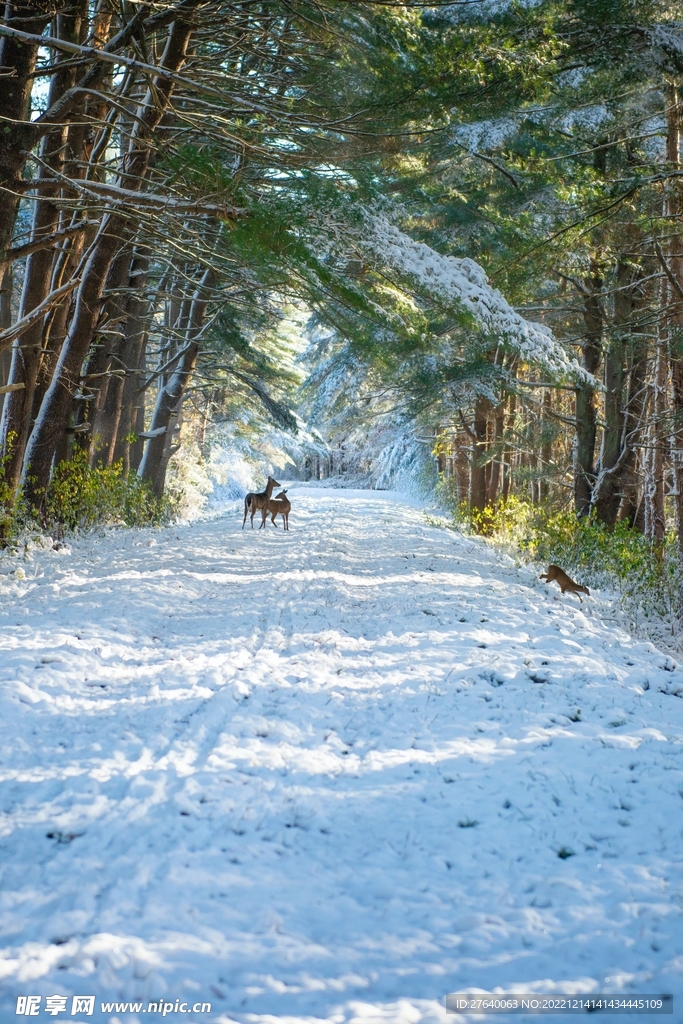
(564, 582)
(279, 506)
(259, 500)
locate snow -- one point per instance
(486, 135)
(481, 10)
(586, 118)
(465, 283)
(327, 775)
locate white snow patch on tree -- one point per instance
(486, 135)
(589, 118)
(464, 282)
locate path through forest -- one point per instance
(328, 775)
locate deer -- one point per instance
(279, 506)
(259, 500)
(564, 581)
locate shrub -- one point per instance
(9, 504)
(81, 496)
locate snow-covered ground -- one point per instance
(329, 775)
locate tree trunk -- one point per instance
(461, 468)
(56, 322)
(122, 389)
(105, 355)
(478, 468)
(496, 463)
(674, 212)
(18, 60)
(585, 409)
(655, 523)
(6, 282)
(607, 496)
(631, 507)
(137, 445)
(508, 454)
(547, 445)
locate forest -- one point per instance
(419, 266)
(379, 240)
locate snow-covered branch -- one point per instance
(464, 282)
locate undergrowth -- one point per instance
(81, 497)
(9, 510)
(647, 579)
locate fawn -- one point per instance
(259, 500)
(563, 581)
(279, 506)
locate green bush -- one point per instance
(81, 496)
(9, 505)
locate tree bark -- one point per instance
(105, 352)
(547, 444)
(478, 469)
(674, 213)
(509, 454)
(631, 507)
(607, 496)
(57, 320)
(6, 282)
(585, 408)
(655, 522)
(496, 464)
(20, 57)
(116, 424)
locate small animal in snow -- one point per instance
(564, 581)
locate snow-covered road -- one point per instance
(328, 775)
